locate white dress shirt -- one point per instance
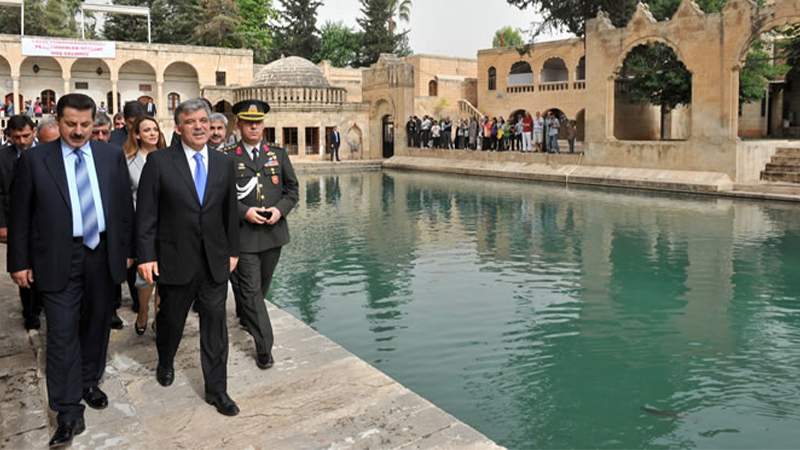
(190, 152)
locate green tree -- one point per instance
(172, 22)
(758, 70)
(42, 18)
(253, 27)
(297, 35)
(339, 44)
(218, 24)
(376, 34)
(511, 37)
(653, 74)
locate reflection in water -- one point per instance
(558, 317)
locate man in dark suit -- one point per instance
(336, 141)
(21, 132)
(133, 111)
(188, 241)
(71, 231)
(267, 190)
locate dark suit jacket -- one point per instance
(119, 137)
(336, 139)
(8, 165)
(276, 186)
(174, 229)
(40, 230)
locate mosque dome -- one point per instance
(291, 71)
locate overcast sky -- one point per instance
(444, 27)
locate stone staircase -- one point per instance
(784, 166)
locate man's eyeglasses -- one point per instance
(103, 132)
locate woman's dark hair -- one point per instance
(81, 102)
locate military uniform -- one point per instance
(266, 181)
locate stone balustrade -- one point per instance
(294, 96)
(546, 87)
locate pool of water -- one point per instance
(555, 317)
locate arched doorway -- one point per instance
(38, 74)
(554, 70)
(180, 84)
(137, 79)
(5, 77)
(48, 99)
(92, 77)
(110, 102)
(388, 136)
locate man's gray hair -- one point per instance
(102, 119)
(218, 117)
(190, 106)
(47, 122)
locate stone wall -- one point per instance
(429, 68)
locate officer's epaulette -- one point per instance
(228, 148)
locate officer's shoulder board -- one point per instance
(229, 148)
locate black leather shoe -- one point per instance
(165, 377)
(33, 323)
(95, 398)
(265, 361)
(224, 404)
(116, 322)
(66, 432)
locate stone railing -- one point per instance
(547, 87)
(468, 109)
(291, 96)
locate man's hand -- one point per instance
(276, 215)
(253, 216)
(4, 235)
(129, 262)
(23, 278)
(234, 262)
(149, 271)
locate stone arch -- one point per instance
(137, 77)
(648, 40)
(767, 25)
(433, 88)
(580, 69)
(554, 70)
(5, 74)
(381, 107)
(37, 74)
(520, 74)
(355, 141)
(491, 81)
(93, 76)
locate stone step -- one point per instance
(788, 177)
(769, 188)
(785, 159)
(788, 151)
(793, 167)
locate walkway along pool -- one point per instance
(559, 317)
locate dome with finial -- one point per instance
(291, 71)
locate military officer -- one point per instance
(267, 190)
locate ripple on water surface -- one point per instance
(548, 317)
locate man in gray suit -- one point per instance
(267, 190)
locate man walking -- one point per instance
(71, 231)
(188, 241)
(336, 141)
(267, 191)
(21, 132)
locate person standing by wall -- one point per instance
(75, 263)
(267, 191)
(336, 141)
(572, 133)
(553, 127)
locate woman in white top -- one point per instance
(145, 138)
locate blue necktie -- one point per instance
(199, 176)
(91, 232)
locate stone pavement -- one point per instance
(317, 396)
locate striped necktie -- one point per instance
(91, 232)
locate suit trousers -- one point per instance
(334, 152)
(77, 330)
(31, 302)
(251, 281)
(176, 300)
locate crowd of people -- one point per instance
(30, 108)
(521, 132)
(89, 203)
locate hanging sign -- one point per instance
(67, 48)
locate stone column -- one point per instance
(114, 97)
(66, 85)
(17, 106)
(160, 100)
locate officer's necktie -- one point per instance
(199, 176)
(91, 233)
(255, 155)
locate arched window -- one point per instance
(554, 70)
(580, 73)
(520, 74)
(492, 79)
(173, 100)
(433, 89)
(48, 98)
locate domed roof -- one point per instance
(291, 71)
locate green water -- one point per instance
(547, 317)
